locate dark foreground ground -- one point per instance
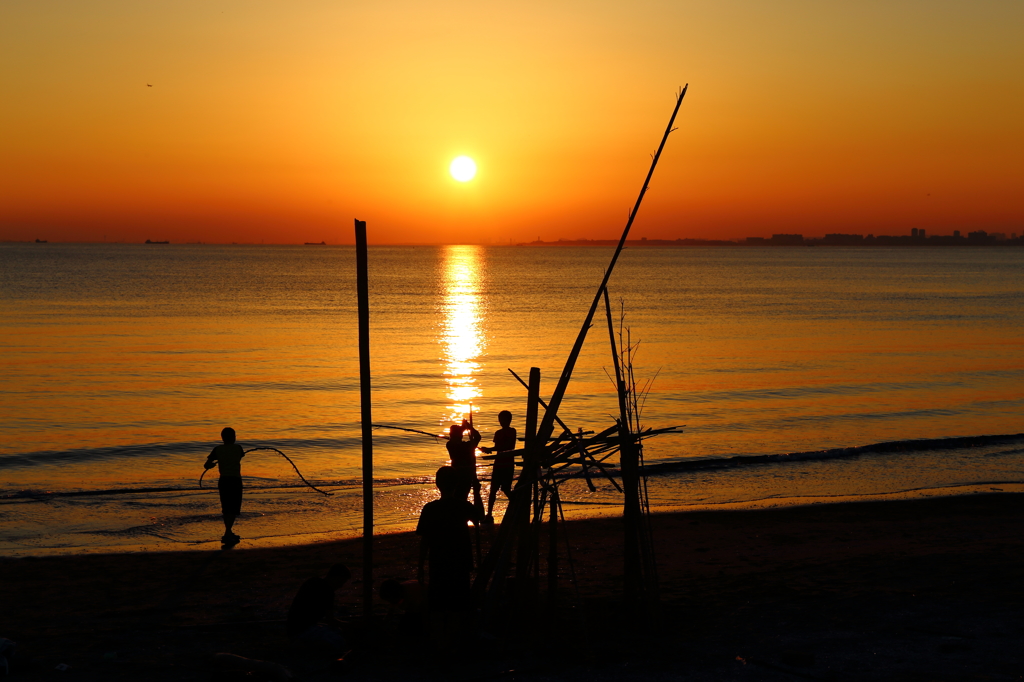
(913, 590)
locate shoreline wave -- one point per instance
(656, 469)
(917, 445)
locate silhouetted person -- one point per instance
(445, 542)
(504, 463)
(228, 458)
(463, 456)
(408, 597)
(311, 618)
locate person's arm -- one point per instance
(211, 460)
(493, 448)
(474, 437)
(474, 513)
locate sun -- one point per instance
(463, 168)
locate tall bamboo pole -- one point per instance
(629, 465)
(525, 552)
(548, 423)
(363, 298)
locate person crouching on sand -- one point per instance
(311, 618)
(228, 458)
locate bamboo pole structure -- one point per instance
(526, 550)
(553, 551)
(363, 298)
(545, 461)
(548, 423)
(629, 465)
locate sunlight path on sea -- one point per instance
(461, 335)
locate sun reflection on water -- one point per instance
(462, 340)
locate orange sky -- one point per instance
(284, 121)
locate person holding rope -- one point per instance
(228, 458)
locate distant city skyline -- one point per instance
(915, 236)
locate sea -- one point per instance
(795, 376)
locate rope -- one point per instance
(435, 436)
(322, 492)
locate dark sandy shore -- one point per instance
(911, 590)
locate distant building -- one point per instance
(920, 233)
(998, 236)
(787, 239)
(913, 232)
(756, 240)
(843, 239)
(956, 233)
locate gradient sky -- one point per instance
(284, 121)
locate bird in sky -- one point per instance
(148, 85)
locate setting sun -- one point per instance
(463, 168)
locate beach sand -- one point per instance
(927, 589)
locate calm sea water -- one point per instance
(121, 363)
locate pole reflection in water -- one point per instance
(462, 340)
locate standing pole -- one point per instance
(553, 550)
(629, 465)
(363, 296)
(547, 425)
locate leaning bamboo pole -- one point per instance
(548, 423)
(525, 495)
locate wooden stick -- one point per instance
(576, 439)
(543, 404)
(553, 551)
(629, 470)
(363, 298)
(548, 423)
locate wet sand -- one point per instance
(927, 589)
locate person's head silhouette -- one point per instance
(447, 481)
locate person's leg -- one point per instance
(492, 495)
(478, 500)
(230, 488)
(502, 480)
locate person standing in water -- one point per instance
(504, 461)
(228, 458)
